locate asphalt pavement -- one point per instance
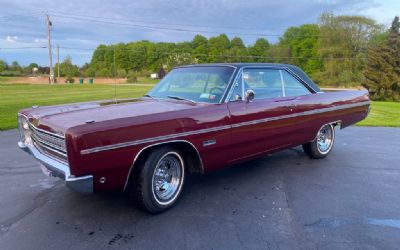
(350, 200)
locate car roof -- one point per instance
(296, 70)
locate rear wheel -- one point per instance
(322, 145)
(158, 182)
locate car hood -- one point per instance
(59, 118)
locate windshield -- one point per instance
(197, 84)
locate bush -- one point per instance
(132, 78)
(69, 80)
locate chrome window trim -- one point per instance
(277, 67)
(156, 144)
(282, 83)
(214, 129)
(233, 85)
(301, 80)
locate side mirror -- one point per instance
(249, 95)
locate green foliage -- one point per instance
(301, 45)
(340, 51)
(68, 69)
(342, 43)
(3, 66)
(382, 72)
(132, 78)
(260, 51)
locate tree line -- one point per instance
(340, 51)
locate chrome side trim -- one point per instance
(156, 144)
(214, 129)
(152, 139)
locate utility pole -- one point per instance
(49, 24)
(58, 63)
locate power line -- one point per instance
(12, 17)
(148, 27)
(160, 23)
(17, 48)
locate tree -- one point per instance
(200, 48)
(28, 69)
(15, 67)
(237, 51)
(300, 46)
(3, 66)
(382, 73)
(218, 47)
(68, 69)
(393, 42)
(342, 43)
(260, 50)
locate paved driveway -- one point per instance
(281, 201)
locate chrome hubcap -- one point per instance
(325, 138)
(167, 178)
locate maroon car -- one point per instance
(197, 119)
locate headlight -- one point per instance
(24, 130)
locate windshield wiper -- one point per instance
(180, 98)
(152, 97)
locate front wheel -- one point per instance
(159, 181)
(322, 145)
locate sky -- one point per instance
(79, 26)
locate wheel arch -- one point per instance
(190, 155)
(334, 124)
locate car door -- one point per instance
(267, 122)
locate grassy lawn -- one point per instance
(385, 114)
(14, 97)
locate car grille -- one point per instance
(48, 143)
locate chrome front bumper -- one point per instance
(82, 184)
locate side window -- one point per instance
(292, 86)
(266, 83)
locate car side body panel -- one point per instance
(103, 138)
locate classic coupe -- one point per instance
(197, 119)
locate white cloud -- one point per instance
(12, 39)
(39, 40)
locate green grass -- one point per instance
(4, 79)
(386, 114)
(14, 97)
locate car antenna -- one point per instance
(115, 78)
